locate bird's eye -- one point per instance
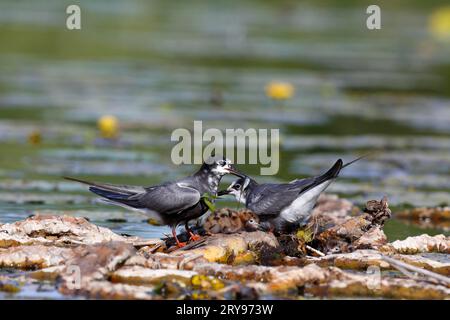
(222, 162)
(251, 221)
(237, 186)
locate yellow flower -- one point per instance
(35, 137)
(279, 90)
(108, 126)
(439, 22)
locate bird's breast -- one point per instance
(213, 184)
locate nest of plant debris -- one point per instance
(230, 262)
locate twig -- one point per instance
(315, 251)
(191, 245)
(194, 244)
(146, 243)
(188, 259)
(405, 267)
(156, 247)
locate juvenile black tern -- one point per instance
(170, 203)
(283, 206)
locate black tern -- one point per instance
(170, 203)
(280, 207)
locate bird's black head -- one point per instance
(239, 188)
(219, 166)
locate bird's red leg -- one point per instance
(193, 236)
(179, 244)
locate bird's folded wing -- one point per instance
(169, 198)
(271, 199)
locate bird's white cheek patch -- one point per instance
(303, 205)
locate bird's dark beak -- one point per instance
(235, 172)
(223, 192)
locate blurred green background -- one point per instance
(159, 65)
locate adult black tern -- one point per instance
(280, 207)
(170, 203)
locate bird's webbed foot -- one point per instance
(181, 244)
(194, 237)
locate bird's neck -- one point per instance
(208, 180)
(242, 198)
(252, 184)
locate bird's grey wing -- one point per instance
(170, 198)
(270, 199)
(300, 184)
